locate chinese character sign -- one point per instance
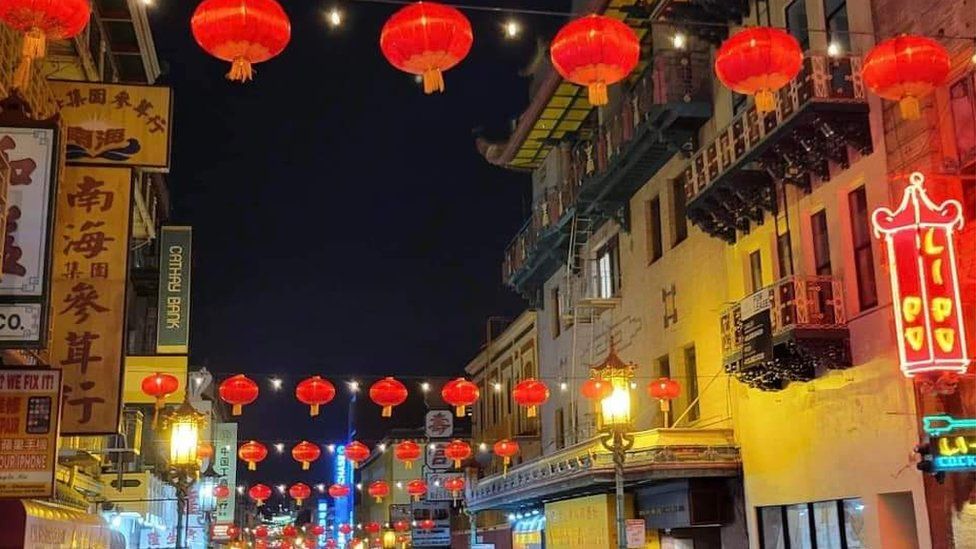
(29, 404)
(225, 463)
(91, 244)
(122, 125)
(924, 281)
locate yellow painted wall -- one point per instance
(583, 523)
(138, 367)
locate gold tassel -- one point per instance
(314, 411)
(433, 81)
(252, 466)
(530, 412)
(304, 466)
(387, 411)
(459, 411)
(35, 47)
(910, 108)
(241, 71)
(408, 465)
(597, 92)
(765, 101)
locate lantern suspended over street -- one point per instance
(596, 389)
(233, 531)
(345, 528)
(506, 449)
(317, 529)
(758, 61)
(904, 69)
(427, 524)
(261, 532)
(159, 386)
(416, 488)
(530, 393)
(454, 485)
(259, 493)
(407, 451)
(299, 492)
(357, 452)
(379, 490)
(460, 393)
(401, 526)
(458, 451)
(241, 32)
(305, 453)
(372, 527)
(387, 393)
(315, 392)
(665, 390)
(595, 51)
(221, 491)
(337, 491)
(238, 391)
(204, 451)
(252, 453)
(289, 531)
(39, 21)
(426, 38)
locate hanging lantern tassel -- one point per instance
(910, 107)
(457, 464)
(505, 463)
(597, 92)
(387, 411)
(765, 101)
(408, 465)
(460, 410)
(530, 412)
(252, 466)
(433, 81)
(304, 466)
(313, 410)
(35, 47)
(241, 70)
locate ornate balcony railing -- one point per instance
(786, 332)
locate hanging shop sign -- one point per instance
(114, 124)
(91, 261)
(439, 424)
(30, 401)
(952, 442)
(920, 246)
(757, 329)
(225, 464)
(30, 171)
(440, 534)
(173, 325)
(436, 458)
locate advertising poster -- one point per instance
(29, 404)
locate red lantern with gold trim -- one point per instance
(458, 451)
(238, 391)
(401, 526)
(758, 61)
(416, 488)
(305, 453)
(506, 449)
(261, 532)
(357, 452)
(387, 393)
(595, 51)
(664, 388)
(233, 531)
(460, 393)
(407, 451)
(337, 491)
(241, 32)
(427, 524)
(454, 485)
(221, 491)
(299, 492)
(160, 386)
(372, 527)
(315, 392)
(39, 21)
(259, 493)
(426, 38)
(205, 450)
(345, 529)
(596, 389)
(252, 453)
(904, 69)
(378, 489)
(530, 393)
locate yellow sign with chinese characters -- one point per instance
(91, 244)
(114, 124)
(581, 523)
(138, 368)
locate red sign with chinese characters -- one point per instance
(922, 265)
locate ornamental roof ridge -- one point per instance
(917, 210)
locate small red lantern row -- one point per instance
(337, 491)
(357, 452)
(387, 393)
(252, 453)
(904, 69)
(595, 51)
(238, 391)
(416, 488)
(454, 485)
(460, 393)
(407, 451)
(299, 492)
(530, 393)
(426, 38)
(259, 493)
(458, 451)
(315, 392)
(759, 61)
(305, 453)
(379, 490)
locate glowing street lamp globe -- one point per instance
(615, 407)
(184, 429)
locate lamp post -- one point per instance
(615, 420)
(183, 427)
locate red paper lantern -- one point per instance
(357, 452)
(416, 488)
(252, 452)
(339, 490)
(426, 38)
(758, 61)
(289, 531)
(407, 451)
(221, 491)
(387, 393)
(315, 392)
(378, 489)
(318, 529)
(460, 393)
(506, 449)
(905, 68)
(427, 524)
(160, 386)
(205, 450)
(345, 528)
(259, 493)
(373, 527)
(305, 452)
(454, 485)
(238, 391)
(40, 21)
(261, 532)
(299, 492)
(530, 393)
(664, 388)
(595, 51)
(353, 542)
(241, 32)
(401, 526)
(233, 531)
(596, 389)
(457, 450)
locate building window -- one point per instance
(653, 218)
(784, 254)
(755, 270)
(678, 219)
(560, 429)
(691, 383)
(821, 243)
(835, 524)
(963, 105)
(663, 366)
(867, 290)
(607, 267)
(835, 15)
(796, 22)
(557, 326)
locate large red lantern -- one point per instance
(261, 532)
(458, 451)
(357, 452)
(407, 451)
(345, 529)
(454, 485)
(221, 491)
(305, 453)
(238, 391)
(758, 61)
(241, 32)
(596, 389)
(378, 489)
(252, 452)
(595, 51)
(905, 68)
(337, 491)
(530, 393)
(259, 493)
(460, 393)
(160, 386)
(506, 449)
(39, 21)
(318, 529)
(233, 531)
(416, 488)
(372, 527)
(315, 392)
(299, 492)
(426, 38)
(387, 393)
(427, 524)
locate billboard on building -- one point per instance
(88, 294)
(173, 324)
(30, 402)
(225, 464)
(115, 124)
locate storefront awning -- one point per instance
(42, 525)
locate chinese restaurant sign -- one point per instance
(225, 463)
(173, 327)
(88, 299)
(30, 151)
(924, 282)
(119, 125)
(29, 404)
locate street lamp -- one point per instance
(615, 423)
(183, 426)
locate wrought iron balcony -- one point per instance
(608, 162)
(786, 332)
(820, 117)
(587, 468)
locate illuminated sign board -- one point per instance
(922, 264)
(954, 453)
(343, 506)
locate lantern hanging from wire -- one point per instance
(39, 21)
(387, 393)
(665, 390)
(595, 51)
(233, 531)
(337, 491)
(345, 529)
(315, 392)
(372, 527)
(458, 451)
(221, 491)
(904, 69)
(427, 524)
(238, 391)
(416, 488)
(596, 389)
(530, 393)
(259, 493)
(261, 532)
(305, 453)
(289, 531)
(317, 530)
(378, 489)
(299, 492)
(460, 393)
(159, 386)
(401, 526)
(506, 449)
(758, 61)
(425, 39)
(241, 32)
(407, 451)
(454, 485)
(205, 450)
(357, 452)
(252, 452)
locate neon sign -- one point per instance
(924, 281)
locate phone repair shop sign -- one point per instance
(29, 411)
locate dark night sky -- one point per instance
(343, 221)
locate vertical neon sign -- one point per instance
(924, 281)
(343, 505)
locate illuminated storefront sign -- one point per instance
(924, 280)
(343, 475)
(952, 442)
